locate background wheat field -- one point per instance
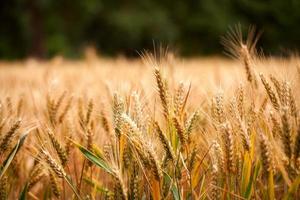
(151, 128)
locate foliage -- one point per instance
(47, 27)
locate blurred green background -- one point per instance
(44, 28)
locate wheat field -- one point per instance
(160, 127)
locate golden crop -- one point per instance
(151, 128)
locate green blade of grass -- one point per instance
(252, 180)
(100, 162)
(174, 189)
(246, 172)
(22, 195)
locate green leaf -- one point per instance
(252, 180)
(24, 192)
(100, 162)
(174, 189)
(246, 173)
(13, 153)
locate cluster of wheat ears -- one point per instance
(239, 143)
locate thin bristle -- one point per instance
(245, 51)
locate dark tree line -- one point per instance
(44, 28)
